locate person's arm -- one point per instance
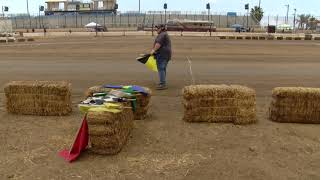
(156, 47)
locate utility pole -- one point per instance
(165, 7)
(294, 20)
(28, 13)
(259, 4)
(208, 8)
(287, 17)
(139, 7)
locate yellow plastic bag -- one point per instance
(152, 63)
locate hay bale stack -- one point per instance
(108, 131)
(308, 37)
(219, 103)
(279, 38)
(21, 40)
(142, 105)
(43, 98)
(295, 105)
(270, 37)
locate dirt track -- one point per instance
(163, 147)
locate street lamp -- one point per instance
(165, 7)
(208, 8)
(287, 18)
(246, 6)
(4, 9)
(139, 7)
(41, 8)
(294, 20)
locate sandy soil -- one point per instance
(163, 146)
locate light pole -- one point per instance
(165, 7)
(139, 7)
(294, 20)
(28, 12)
(208, 8)
(259, 3)
(247, 8)
(287, 18)
(4, 9)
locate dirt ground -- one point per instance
(163, 146)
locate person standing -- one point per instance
(162, 51)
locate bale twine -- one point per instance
(142, 105)
(219, 103)
(108, 131)
(295, 105)
(43, 98)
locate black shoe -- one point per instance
(162, 87)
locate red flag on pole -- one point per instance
(80, 143)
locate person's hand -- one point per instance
(152, 52)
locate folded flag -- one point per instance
(150, 61)
(80, 143)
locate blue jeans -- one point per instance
(162, 69)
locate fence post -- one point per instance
(120, 20)
(65, 21)
(128, 20)
(219, 21)
(104, 19)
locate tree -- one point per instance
(312, 23)
(304, 20)
(257, 13)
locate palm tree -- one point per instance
(304, 20)
(257, 13)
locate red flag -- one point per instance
(79, 145)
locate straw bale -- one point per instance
(30, 39)
(223, 37)
(308, 37)
(317, 38)
(44, 98)
(270, 37)
(255, 37)
(231, 37)
(298, 38)
(295, 105)
(239, 37)
(3, 40)
(21, 40)
(289, 38)
(248, 37)
(109, 131)
(280, 38)
(219, 103)
(262, 38)
(143, 101)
